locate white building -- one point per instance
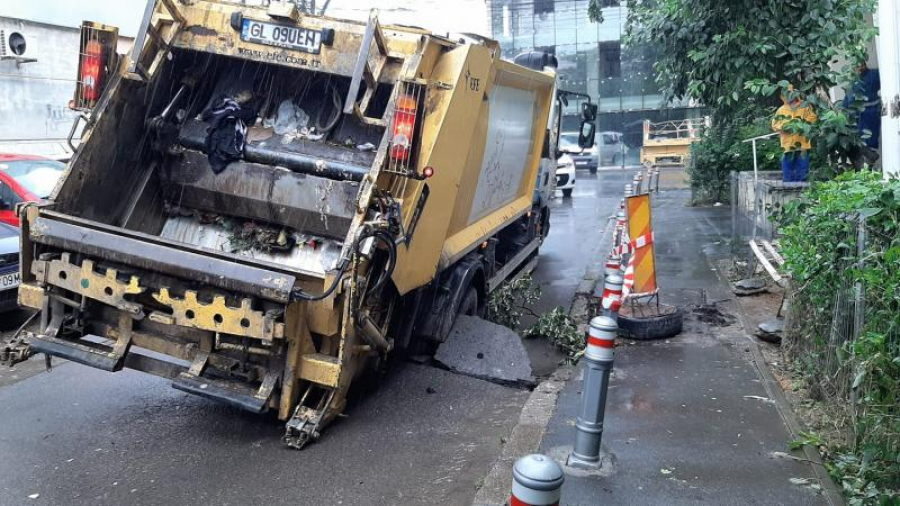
(38, 67)
(888, 21)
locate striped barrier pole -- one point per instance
(537, 481)
(613, 264)
(601, 342)
(611, 301)
(629, 190)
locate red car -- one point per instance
(25, 178)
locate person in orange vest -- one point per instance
(795, 161)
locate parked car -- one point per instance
(9, 266)
(25, 178)
(610, 148)
(565, 175)
(583, 158)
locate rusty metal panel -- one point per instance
(303, 202)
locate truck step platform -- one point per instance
(93, 355)
(221, 390)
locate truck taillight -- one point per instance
(404, 128)
(92, 70)
(96, 60)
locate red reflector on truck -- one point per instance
(404, 128)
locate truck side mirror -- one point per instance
(587, 135)
(588, 112)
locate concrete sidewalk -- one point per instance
(689, 420)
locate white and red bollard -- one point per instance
(598, 356)
(613, 265)
(611, 299)
(537, 481)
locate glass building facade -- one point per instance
(593, 59)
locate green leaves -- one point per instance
(558, 328)
(744, 50)
(819, 243)
(507, 304)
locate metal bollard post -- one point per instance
(537, 481)
(620, 231)
(598, 365)
(656, 170)
(612, 295)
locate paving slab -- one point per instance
(479, 348)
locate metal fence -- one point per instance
(820, 338)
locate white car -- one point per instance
(565, 175)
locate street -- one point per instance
(426, 436)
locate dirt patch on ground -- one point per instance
(713, 315)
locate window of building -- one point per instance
(544, 7)
(610, 3)
(610, 60)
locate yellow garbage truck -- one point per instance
(266, 205)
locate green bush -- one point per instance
(857, 376)
(722, 150)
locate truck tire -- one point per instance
(545, 223)
(567, 193)
(469, 304)
(649, 328)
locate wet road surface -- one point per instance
(82, 436)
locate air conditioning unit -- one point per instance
(13, 46)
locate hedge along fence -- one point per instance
(841, 243)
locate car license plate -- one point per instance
(8, 281)
(291, 37)
(580, 163)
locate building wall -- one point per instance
(35, 90)
(34, 96)
(888, 21)
(592, 59)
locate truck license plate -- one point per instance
(8, 281)
(291, 37)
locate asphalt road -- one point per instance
(77, 435)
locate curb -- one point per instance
(525, 438)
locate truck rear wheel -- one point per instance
(469, 304)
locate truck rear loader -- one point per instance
(266, 205)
